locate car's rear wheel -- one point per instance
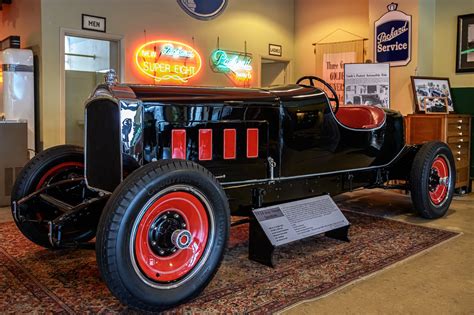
(432, 180)
(162, 235)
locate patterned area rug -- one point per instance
(35, 280)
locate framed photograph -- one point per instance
(431, 87)
(465, 44)
(367, 84)
(436, 105)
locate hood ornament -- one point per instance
(111, 77)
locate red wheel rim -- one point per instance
(179, 264)
(60, 168)
(439, 180)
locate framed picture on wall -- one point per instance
(429, 88)
(465, 44)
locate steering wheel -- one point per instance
(311, 80)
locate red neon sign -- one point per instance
(167, 60)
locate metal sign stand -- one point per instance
(260, 247)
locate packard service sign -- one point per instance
(393, 37)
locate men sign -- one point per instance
(93, 23)
(393, 37)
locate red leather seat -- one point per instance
(361, 117)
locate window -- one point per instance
(85, 54)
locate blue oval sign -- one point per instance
(203, 9)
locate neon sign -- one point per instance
(237, 65)
(166, 60)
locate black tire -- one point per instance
(431, 194)
(123, 216)
(28, 180)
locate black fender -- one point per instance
(400, 168)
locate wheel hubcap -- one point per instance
(438, 181)
(166, 234)
(170, 236)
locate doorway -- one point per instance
(86, 60)
(274, 72)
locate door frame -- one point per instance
(278, 59)
(62, 72)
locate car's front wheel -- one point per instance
(46, 168)
(162, 235)
(432, 180)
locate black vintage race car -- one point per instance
(164, 168)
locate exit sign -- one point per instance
(93, 23)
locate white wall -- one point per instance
(23, 18)
(444, 52)
(427, 26)
(401, 95)
(257, 22)
(314, 20)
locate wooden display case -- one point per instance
(453, 129)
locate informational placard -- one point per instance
(293, 221)
(333, 70)
(367, 84)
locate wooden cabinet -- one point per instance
(452, 129)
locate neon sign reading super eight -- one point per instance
(166, 60)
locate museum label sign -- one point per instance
(165, 60)
(393, 37)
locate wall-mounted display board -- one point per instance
(333, 70)
(367, 84)
(236, 65)
(330, 60)
(393, 37)
(465, 44)
(168, 61)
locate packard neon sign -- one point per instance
(166, 60)
(236, 65)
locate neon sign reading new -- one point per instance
(165, 60)
(235, 64)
